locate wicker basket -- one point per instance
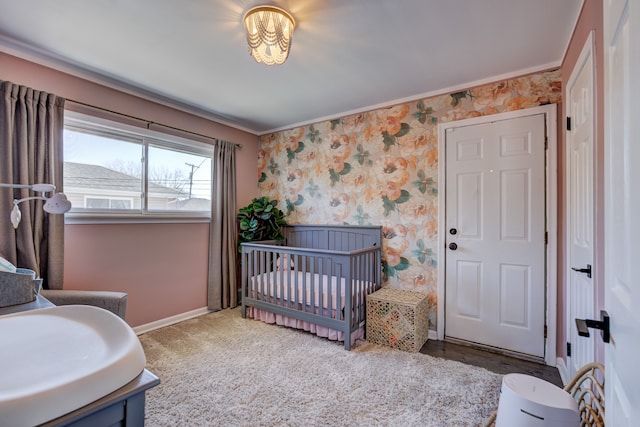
(398, 319)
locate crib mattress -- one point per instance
(302, 287)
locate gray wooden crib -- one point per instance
(319, 274)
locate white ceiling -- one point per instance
(347, 55)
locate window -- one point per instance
(107, 203)
(112, 169)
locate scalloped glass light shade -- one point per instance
(269, 34)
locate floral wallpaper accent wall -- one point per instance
(381, 168)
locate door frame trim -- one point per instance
(551, 175)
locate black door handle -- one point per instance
(453, 246)
(584, 270)
(583, 326)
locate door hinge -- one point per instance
(568, 349)
(545, 331)
(546, 142)
(546, 237)
(568, 123)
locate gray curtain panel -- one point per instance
(223, 240)
(31, 127)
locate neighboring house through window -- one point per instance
(112, 169)
(106, 203)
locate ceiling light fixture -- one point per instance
(269, 33)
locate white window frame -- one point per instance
(146, 137)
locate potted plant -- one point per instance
(260, 220)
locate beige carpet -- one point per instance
(222, 370)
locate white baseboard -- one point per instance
(147, 327)
(562, 370)
(433, 335)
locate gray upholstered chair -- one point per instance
(21, 283)
(18, 288)
(115, 302)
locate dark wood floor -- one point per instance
(494, 362)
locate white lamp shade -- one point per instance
(57, 204)
(43, 188)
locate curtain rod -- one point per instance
(148, 122)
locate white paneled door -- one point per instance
(495, 234)
(622, 210)
(580, 207)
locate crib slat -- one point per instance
(319, 281)
(339, 275)
(278, 283)
(315, 269)
(265, 278)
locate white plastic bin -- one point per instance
(527, 401)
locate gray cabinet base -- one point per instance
(123, 407)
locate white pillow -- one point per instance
(7, 266)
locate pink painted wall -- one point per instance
(590, 19)
(163, 267)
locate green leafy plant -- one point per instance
(260, 220)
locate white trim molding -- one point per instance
(562, 370)
(168, 321)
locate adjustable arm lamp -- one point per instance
(56, 204)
